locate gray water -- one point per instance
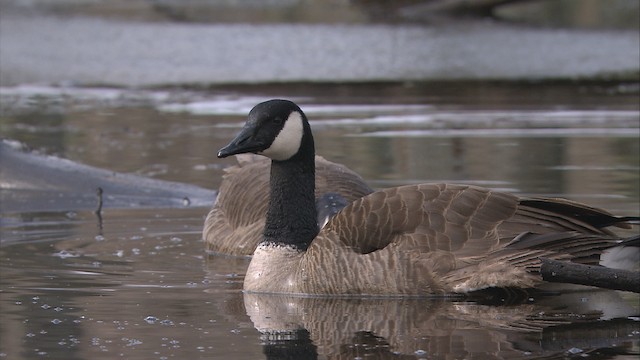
(137, 283)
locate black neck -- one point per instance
(292, 215)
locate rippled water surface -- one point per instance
(137, 284)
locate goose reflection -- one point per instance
(351, 328)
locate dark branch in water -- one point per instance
(98, 210)
(590, 275)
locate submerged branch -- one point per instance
(590, 275)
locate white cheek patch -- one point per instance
(287, 143)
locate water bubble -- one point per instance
(420, 352)
(151, 319)
(56, 321)
(63, 254)
(45, 306)
(574, 351)
(175, 344)
(71, 214)
(132, 342)
(99, 237)
(166, 322)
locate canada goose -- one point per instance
(235, 222)
(413, 240)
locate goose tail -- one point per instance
(625, 255)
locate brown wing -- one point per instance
(541, 215)
(562, 229)
(403, 240)
(426, 217)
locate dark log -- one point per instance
(590, 275)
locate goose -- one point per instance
(412, 240)
(234, 224)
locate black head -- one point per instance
(275, 129)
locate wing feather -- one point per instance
(428, 216)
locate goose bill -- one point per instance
(244, 142)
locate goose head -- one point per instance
(277, 129)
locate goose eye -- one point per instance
(278, 121)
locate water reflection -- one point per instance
(441, 329)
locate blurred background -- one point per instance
(205, 42)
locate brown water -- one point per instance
(138, 285)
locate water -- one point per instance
(137, 284)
